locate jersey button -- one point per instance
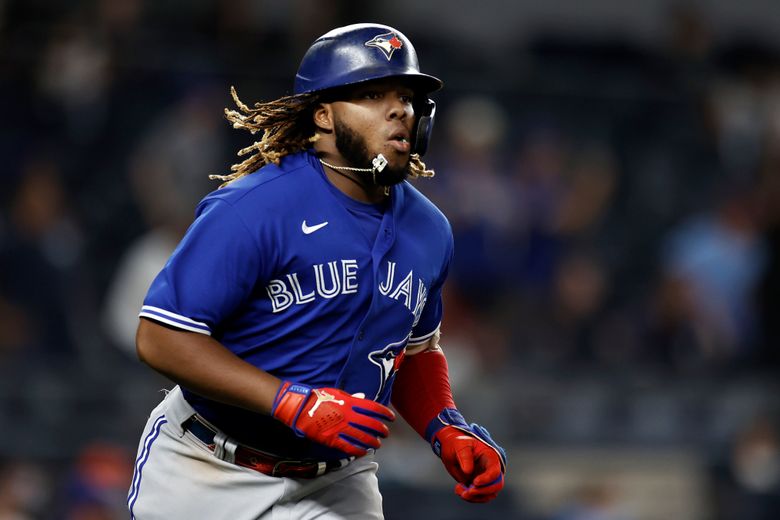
(360, 336)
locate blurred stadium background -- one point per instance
(612, 174)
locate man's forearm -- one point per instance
(203, 365)
(422, 388)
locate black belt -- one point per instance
(230, 451)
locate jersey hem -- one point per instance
(174, 320)
(422, 339)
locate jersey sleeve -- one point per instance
(211, 272)
(429, 321)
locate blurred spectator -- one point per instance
(747, 484)
(170, 166)
(75, 77)
(590, 185)
(745, 102)
(169, 175)
(474, 194)
(594, 501)
(741, 123)
(712, 264)
(560, 327)
(690, 46)
(141, 262)
(562, 283)
(15, 333)
(40, 262)
(563, 194)
(14, 329)
(579, 292)
(690, 34)
(25, 491)
(539, 179)
(118, 18)
(96, 487)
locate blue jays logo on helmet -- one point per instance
(388, 43)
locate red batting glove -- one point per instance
(332, 417)
(474, 464)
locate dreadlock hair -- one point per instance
(285, 131)
(288, 128)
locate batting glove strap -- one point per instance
(452, 417)
(447, 417)
(289, 402)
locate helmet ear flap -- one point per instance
(424, 127)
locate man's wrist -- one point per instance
(447, 417)
(452, 417)
(289, 403)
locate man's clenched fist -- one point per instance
(470, 455)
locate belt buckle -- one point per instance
(279, 467)
(303, 467)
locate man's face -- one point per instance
(373, 118)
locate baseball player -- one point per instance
(303, 300)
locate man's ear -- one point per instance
(323, 117)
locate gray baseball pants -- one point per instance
(177, 476)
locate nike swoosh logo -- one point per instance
(307, 230)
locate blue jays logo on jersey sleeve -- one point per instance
(388, 360)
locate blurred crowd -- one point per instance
(616, 212)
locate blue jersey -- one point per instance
(298, 279)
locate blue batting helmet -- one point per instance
(364, 52)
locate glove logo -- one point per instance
(323, 397)
(388, 43)
(388, 360)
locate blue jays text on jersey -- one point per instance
(300, 280)
(343, 280)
